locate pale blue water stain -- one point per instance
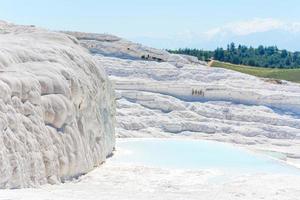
(196, 154)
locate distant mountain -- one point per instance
(283, 39)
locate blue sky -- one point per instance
(168, 23)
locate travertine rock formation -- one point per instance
(113, 46)
(56, 108)
(185, 98)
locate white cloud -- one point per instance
(282, 33)
(257, 25)
(293, 27)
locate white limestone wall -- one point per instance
(56, 108)
(179, 96)
(160, 99)
(113, 46)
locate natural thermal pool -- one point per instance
(196, 154)
(126, 174)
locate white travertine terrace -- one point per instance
(183, 97)
(56, 108)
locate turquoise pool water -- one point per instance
(196, 154)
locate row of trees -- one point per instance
(260, 57)
(200, 54)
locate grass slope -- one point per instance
(282, 74)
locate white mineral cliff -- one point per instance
(56, 108)
(180, 96)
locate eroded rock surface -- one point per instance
(56, 108)
(185, 98)
(113, 46)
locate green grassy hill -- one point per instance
(282, 74)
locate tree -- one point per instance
(261, 50)
(259, 57)
(232, 48)
(284, 53)
(219, 54)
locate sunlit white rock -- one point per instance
(56, 108)
(186, 98)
